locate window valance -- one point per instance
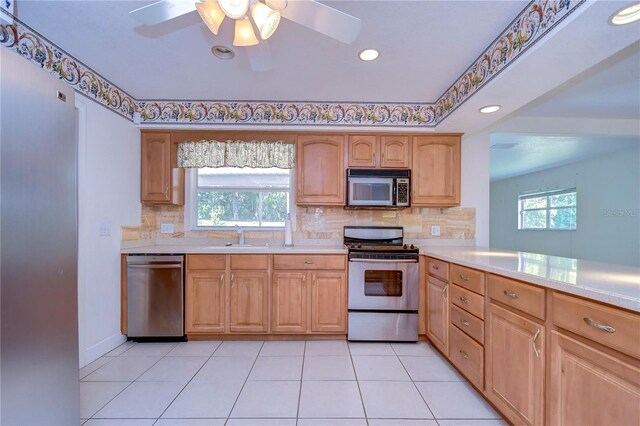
(262, 154)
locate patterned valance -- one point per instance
(262, 154)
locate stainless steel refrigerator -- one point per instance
(38, 237)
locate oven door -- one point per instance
(370, 191)
(390, 285)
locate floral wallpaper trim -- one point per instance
(534, 22)
(23, 40)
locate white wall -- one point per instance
(608, 222)
(476, 162)
(108, 191)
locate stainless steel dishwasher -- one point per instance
(155, 296)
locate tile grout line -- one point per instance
(414, 383)
(244, 383)
(304, 355)
(364, 408)
(189, 381)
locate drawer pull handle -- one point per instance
(435, 267)
(511, 295)
(464, 300)
(533, 343)
(464, 354)
(606, 328)
(309, 262)
(444, 293)
(464, 322)
(463, 278)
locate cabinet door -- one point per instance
(289, 302)
(515, 366)
(248, 306)
(395, 152)
(436, 171)
(329, 302)
(156, 167)
(362, 151)
(590, 387)
(438, 314)
(320, 170)
(205, 302)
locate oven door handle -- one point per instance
(384, 260)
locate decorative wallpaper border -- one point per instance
(533, 23)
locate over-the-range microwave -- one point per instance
(389, 188)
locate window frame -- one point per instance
(546, 194)
(191, 205)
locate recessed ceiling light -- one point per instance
(626, 15)
(368, 54)
(489, 109)
(223, 52)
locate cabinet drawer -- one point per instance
(584, 318)
(467, 300)
(438, 268)
(471, 325)
(206, 261)
(249, 261)
(521, 296)
(467, 355)
(468, 278)
(304, 261)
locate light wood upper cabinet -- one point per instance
(289, 302)
(438, 314)
(249, 309)
(328, 302)
(515, 362)
(205, 302)
(320, 170)
(435, 169)
(363, 151)
(160, 182)
(590, 387)
(395, 152)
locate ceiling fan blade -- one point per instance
(324, 19)
(162, 10)
(260, 57)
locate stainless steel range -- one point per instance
(383, 284)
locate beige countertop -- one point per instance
(617, 285)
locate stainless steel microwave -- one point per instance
(378, 188)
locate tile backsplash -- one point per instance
(316, 223)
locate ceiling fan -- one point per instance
(265, 14)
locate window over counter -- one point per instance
(548, 210)
(224, 197)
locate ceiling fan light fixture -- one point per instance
(627, 15)
(211, 14)
(244, 34)
(266, 19)
(234, 9)
(489, 109)
(368, 54)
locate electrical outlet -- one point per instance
(104, 229)
(435, 230)
(166, 228)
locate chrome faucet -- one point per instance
(240, 232)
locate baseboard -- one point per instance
(104, 346)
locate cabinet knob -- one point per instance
(309, 262)
(511, 295)
(463, 278)
(464, 322)
(464, 354)
(464, 300)
(435, 267)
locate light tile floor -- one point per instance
(314, 383)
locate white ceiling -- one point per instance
(533, 153)
(424, 46)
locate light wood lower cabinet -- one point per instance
(515, 363)
(205, 302)
(438, 314)
(249, 303)
(289, 302)
(590, 387)
(328, 302)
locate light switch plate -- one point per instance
(435, 230)
(166, 228)
(104, 229)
